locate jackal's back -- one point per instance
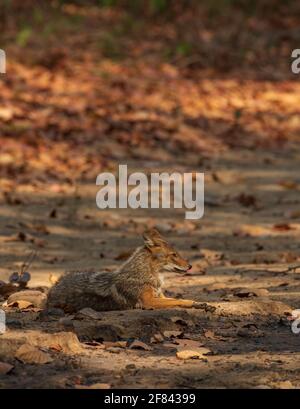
(81, 289)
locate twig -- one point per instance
(27, 263)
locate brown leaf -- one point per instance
(55, 347)
(53, 214)
(100, 386)
(94, 386)
(181, 321)
(29, 354)
(5, 368)
(197, 353)
(6, 114)
(32, 309)
(252, 230)
(114, 350)
(117, 344)
(283, 385)
(38, 242)
(53, 278)
(288, 184)
(282, 227)
(172, 334)
(94, 344)
(247, 200)
(32, 297)
(289, 257)
(41, 228)
(157, 338)
(209, 334)
(21, 304)
(18, 237)
(261, 292)
(68, 342)
(140, 345)
(246, 292)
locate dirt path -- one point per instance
(240, 252)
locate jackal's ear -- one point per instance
(152, 238)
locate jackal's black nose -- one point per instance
(190, 266)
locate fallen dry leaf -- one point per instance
(140, 345)
(94, 345)
(283, 385)
(246, 292)
(209, 334)
(117, 344)
(68, 342)
(5, 368)
(289, 257)
(252, 230)
(94, 386)
(32, 297)
(53, 214)
(288, 184)
(247, 200)
(181, 321)
(114, 350)
(40, 228)
(196, 353)
(29, 354)
(100, 386)
(282, 227)
(156, 338)
(21, 304)
(172, 334)
(6, 114)
(53, 278)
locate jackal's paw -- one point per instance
(204, 306)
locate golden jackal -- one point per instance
(137, 283)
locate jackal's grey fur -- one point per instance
(103, 291)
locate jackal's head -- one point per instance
(163, 254)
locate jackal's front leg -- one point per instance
(150, 300)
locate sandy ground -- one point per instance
(241, 251)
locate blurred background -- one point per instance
(156, 84)
(143, 79)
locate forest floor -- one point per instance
(66, 117)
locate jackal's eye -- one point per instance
(174, 254)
